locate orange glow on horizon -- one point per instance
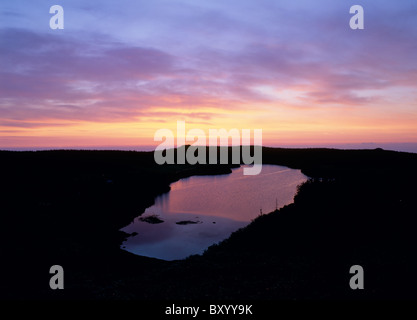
(282, 124)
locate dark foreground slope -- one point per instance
(66, 207)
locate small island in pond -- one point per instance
(153, 219)
(185, 222)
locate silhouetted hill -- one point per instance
(66, 207)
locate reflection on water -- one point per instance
(209, 209)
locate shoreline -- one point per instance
(64, 196)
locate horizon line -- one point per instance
(410, 147)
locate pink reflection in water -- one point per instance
(219, 204)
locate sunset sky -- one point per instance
(121, 70)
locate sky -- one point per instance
(121, 70)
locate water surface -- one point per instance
(202, 210)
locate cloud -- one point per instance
(26, 124)
(185, 58)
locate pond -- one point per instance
(203, 210)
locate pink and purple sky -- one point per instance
(120, 70)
